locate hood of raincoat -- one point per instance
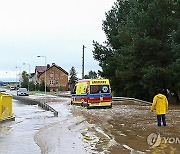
(160, 103)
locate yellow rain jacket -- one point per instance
(160, 102)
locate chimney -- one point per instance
(48, 65)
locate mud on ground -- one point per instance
(126, 127)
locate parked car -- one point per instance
(22, 92)
(2, 90)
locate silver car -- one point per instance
(22, 92)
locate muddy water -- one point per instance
(120, 130)
(126, 127)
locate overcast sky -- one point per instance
(56, 29)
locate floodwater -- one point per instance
(123, 129)
(17, 136)
(36, 131)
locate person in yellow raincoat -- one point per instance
(160, 103)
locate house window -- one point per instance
(51, 82)
(57, 82)
(57, 76)
(51, 75)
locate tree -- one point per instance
(91, 75)
(24, 82)
(138, 54)
(41, 86)
(176, 64)
(73, 78)
(32, 86)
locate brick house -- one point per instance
(56, 77)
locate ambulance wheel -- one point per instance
(110, 106)
(82, 104)
(88, 106)
(71, 103)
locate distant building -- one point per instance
(32, 77)
(56, 77)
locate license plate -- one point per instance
(94, 104)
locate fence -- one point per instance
(115, 99)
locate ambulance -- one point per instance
(92, 93)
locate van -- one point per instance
(92, 93)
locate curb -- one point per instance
(29, 101)
(8, 119)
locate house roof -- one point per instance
(42, 69)
(60, 68)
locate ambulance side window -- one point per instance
(85, 89)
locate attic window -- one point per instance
(51, 75)
(57, 76)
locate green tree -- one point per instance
(138, 55)
(32, 86)
(73, 78)
(91, 75)
(41, 86)
(24, 82)
(176, 64)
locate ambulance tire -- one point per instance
(71, 103)
(110, 106)
(82, 104)
(88, 106)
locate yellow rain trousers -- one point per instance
(160, 102)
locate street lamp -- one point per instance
(45, 73)
(19, 77)
(29, 73)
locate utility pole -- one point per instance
(83, 62)
(45, 75)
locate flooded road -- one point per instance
(17, 136)
(123, 129)
(36, 131)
